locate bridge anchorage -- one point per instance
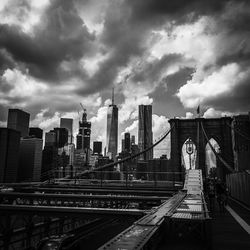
(144, 208)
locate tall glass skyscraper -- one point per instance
(112, 129)
(19, 120)
(145, 134)
(68, 124)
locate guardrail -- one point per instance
(239, 186)
(126, 179)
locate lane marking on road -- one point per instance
(245, 226)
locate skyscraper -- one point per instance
(97, 147)
(61, 137)
(132, 139)
(36, 132)
(58, 137)
(83, 137)
(68, 124)
(9, 154)
(30, 162)
(123, 145)
(50, 139)
(19, 120)
(127, 142)
(145, 135)
(112, 129)
(82, 152)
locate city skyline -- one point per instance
(162, 162)
(169, 55)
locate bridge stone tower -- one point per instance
(216, 128)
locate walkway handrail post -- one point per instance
(126, 172)
(101, 177)
(154, 175)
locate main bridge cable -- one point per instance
(133, 156)
(238, 132)
(216, 154)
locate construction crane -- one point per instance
(84, 110)
(84, 115)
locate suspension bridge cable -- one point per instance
(238, 132)
(133, 156)
(216, 154)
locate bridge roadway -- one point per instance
(57, 211)
(94, 190)
(187, 205)
(172, 185)
(187, 208)
(83, 201)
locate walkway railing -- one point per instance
(239, 186)
(126, 179)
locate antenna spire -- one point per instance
(113, 96)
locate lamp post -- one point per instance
(189, 150)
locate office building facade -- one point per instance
(145, 134)
(132, 139)
(30, 162)
(36, 132)
(19, 120)
(68, 124)
(61, 137)
(97, 147)
(50, 138)
(9, 154)
(83, 136)
(112, 129)
(127, 142)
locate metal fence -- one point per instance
(127, 179)
(239, 186)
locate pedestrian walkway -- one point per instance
(226, 232)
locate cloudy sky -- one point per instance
(172, 54)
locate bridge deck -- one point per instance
(188, 205)
(69, 210)
(80, 197)
(193, 207)
(95, 190)
(144, 229)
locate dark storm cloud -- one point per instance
(155, 12)
(236, 40)
(6, 61)
(153, 71)
(121, 40)
(61, 36)
(168, 103)
(128, 23)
